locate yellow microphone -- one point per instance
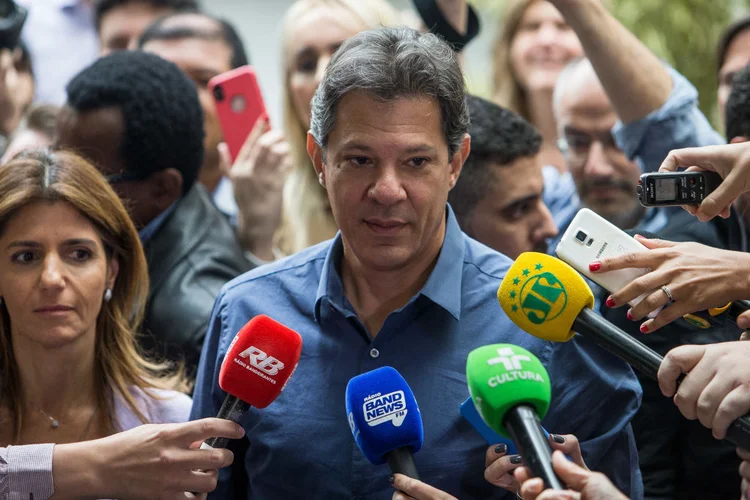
(547, 298)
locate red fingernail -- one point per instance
(610, 302)
(644, 328)
(630, 316)
(595, 266)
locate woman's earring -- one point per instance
(320, 180)
(107, 295)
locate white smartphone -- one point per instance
(589, 238)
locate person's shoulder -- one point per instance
(304, 265)
(163, 406)
(484, 261)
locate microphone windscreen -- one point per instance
(260, 360)
(502, 376)
(543, 296)
(383, 414)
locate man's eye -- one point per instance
(518, 211)
(418, 162)
(23, 257)
(578, 143)
(359, 161)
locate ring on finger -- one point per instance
(667, 293)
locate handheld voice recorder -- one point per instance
(676, 188)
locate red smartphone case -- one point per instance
(239, 105)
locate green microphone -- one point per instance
(511, 391)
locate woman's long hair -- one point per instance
(63, 177)
(307, 217)
(506, 89)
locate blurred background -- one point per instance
(667, 27)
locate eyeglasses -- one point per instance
(125, 177)
(577, 146)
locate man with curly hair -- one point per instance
(138, 119)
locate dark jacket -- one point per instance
(679, 458)
(190, 257)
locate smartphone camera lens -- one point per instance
(219, 93)
(581, 236)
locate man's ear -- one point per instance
(738, 139)
(459, 157)
(316, 155)
(166, 187)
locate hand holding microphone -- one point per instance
(554, 302)
(582, 483)
(697, 277)
(511, 390)
(716, 389)
(259, 362)
(385, 420)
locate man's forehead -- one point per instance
(520, 179)
(191, 21)
(95, 134)
(361, 117)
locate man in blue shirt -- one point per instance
(400, 285)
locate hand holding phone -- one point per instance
(239, 105)
(589, 238)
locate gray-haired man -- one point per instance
(400, 285)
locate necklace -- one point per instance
(55, 423)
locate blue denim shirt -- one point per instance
(301, 446)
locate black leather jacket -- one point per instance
(190, 257)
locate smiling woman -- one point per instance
(73, 284)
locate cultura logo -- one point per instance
(540, 296)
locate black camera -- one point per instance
(12, 18)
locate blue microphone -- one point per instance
(385, 420)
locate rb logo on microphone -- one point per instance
(262, 361)
(541, 297)
(379, 409)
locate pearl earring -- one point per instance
(320, 179)
(107, 295)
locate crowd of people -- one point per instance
(377, 221)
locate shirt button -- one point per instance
(374, 353)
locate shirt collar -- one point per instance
(443, 287)
(147, 232)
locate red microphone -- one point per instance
(259, 362)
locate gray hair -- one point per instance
(390, 63)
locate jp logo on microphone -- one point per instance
(538, 294)
(379, 409)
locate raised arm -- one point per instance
(635, 80)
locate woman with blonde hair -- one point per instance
(533, 46)
(73, 287)
(312, 31)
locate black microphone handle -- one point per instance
(618, 342)
(401, 461)
(645, 360)
(231, 409)
(524, 427)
